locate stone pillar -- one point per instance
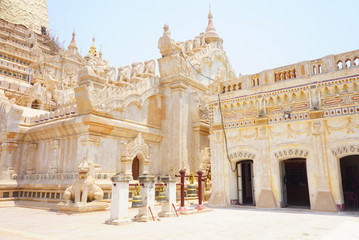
(54, 161)
(176, 125)
(146, 166)
(179, 134)
(167, 208)
(219, 168)
(323, 200)
(89, 147)
(127, 165)
(148, 198)
(119, 200)
(31, 159)
(264, 197)
(7, 150)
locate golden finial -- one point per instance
(92, 50)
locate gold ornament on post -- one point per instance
(191, 189)
(137, 199)
(162, 195)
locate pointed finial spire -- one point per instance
(92, 50)
(72, 44)
(211, 33)
(100, 53)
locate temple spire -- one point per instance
(211, 33)
(100, 53)
(92, 50)
(72, 44)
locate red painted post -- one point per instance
(200, 206)
(182, 175)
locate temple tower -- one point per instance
(32, 13)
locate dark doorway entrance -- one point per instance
(349, 167)
(245, 182)
(295, 183)
(135, 168)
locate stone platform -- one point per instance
(229, 223)
(85, 207)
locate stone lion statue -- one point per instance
(84, 189)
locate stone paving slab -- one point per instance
(230, 223)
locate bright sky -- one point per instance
(258, 35)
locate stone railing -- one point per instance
(50, 116)
(347, 60)
(291, 72)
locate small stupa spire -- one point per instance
(211, 33)
(100, 53)
(72, 44)
(92, 50)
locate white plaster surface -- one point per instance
(230, 223)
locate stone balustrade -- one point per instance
(57, 114)
(299, 70)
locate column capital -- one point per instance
(146, 178)
(120, 177)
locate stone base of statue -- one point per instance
(82, 207)
(118, 221)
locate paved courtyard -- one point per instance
(229, 223)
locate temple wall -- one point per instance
(27, 12)
(313, 116)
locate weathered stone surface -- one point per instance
(27, 12)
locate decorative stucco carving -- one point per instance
(117, 98)
(100, 68)
(203, 110)
(291, 153)
(134, 147)
(166, 44)
(343, 151)
(240, 155)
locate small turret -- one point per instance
(72, 45)
(211, 34)
(166, 44)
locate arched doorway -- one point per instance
(245, 182)
(349, 168)
(135, 168)
(295, 191)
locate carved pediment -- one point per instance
(136, 146)
(110, 98)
